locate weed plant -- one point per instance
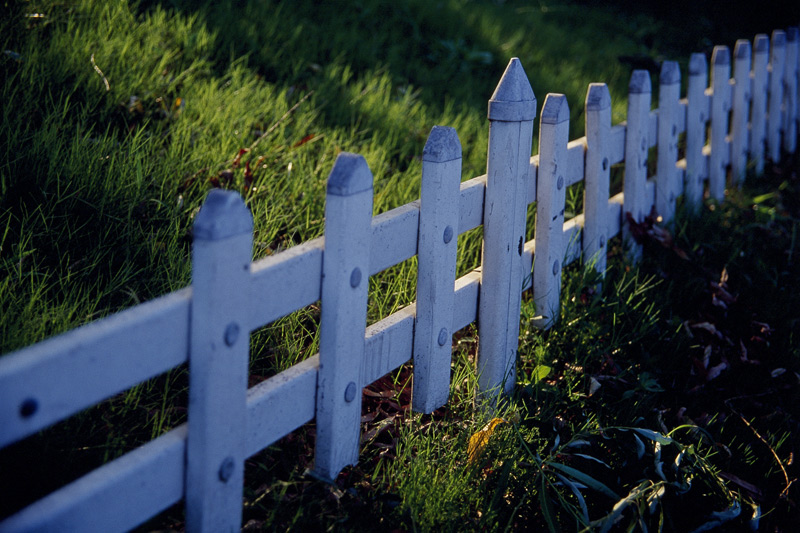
(119, 117)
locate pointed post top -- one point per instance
(555, 109)
(442, 145)
(640, 82)
(350, 175)
(792, 34)
(742, 49)
(513, 99)
(598, 97)
(778, 38)
(698, 64)
(222, 215)
(721, 55)
(761, 43)
(670, 73)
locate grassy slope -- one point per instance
(99, 186)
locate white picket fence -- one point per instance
(208, 323)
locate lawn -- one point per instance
(671, 389)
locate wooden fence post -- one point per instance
(550, 200)
(740, 145)
(598, 169)
(697, 113)
(218, 363)
(512, 110)
(720, 106)
(668, 186)
(636, 147)
(343, 320)
(791, 72)
(758, 121)
(436, 274)
(774, 118)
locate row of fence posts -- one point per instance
(223, 239)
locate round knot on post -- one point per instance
(442, 337)
(231, 334)
(350, 392)
(226, 469)
(355, 277)
(28, 408)
(448, 234)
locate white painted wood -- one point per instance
(110, 355)
(774, 119)
(790, 90)
(343, 320)
(550, 202)
(760, 86)
(697, 113)
(571, 237)
(652, 129)
(436, 273)
(668, 187)
(118, 496)
(389, 344)
(394, 237)
(683, 105)
(720, 106)
(532, 181)
(466, 302)
(218, 363)
(598, 169)
(285, 282)
(471, 204)
(615, 215)
(576, 153)
(512, 109)
(636, 147)
(281, 404)
(740, 136)
(617, 145)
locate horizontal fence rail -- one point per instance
(750, 107)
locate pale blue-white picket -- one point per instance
(512, 109)
(740, 136)
(760, 95)
(720, 107)
(777, 63)
(697, 113)
(550, 202)
(636, 148)
(668, 184)
(208, 324)
(598, 170)
(436, 271)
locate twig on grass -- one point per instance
(100, 72)
(785, 491)
(269, 130)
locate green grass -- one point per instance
(99, 185)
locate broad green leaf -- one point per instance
(539, 373)
(586, 479)
(654, 436)
(547, 509)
